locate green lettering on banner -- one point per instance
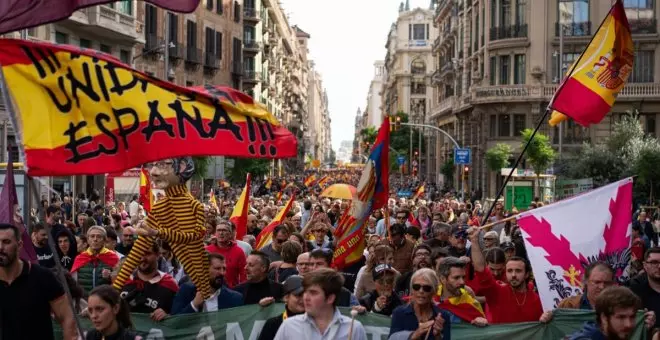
(246, 322)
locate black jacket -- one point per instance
(122, 334)
(271, 327)
(650, 298)
(253, 292)
(368, 302)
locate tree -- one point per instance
(242, 166)
(400, 139)
(447, 170)
(369, 135)
(540, 153)
(498, 156)
(201, 166)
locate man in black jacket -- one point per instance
(258, 286)
(383, 300)
(293, 305)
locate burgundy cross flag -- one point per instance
(565, 237)
(19, 14)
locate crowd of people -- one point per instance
(429, 267)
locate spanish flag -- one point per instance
(239, 215)
(265, 237)
(83, 112)
(212, 200)
(105, 255)
(278, 198)
(146, 197)
(224, 184)
(464, 306)
(269, 184)
(323, 180)
(419, 192)
(598, 75)
(309, 181)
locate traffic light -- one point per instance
(466, 172)
(397, 123)
(416, 153)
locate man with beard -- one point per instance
(188, 300)
(258, 286)
(457, 298)
(515, 301)
(28, 295)
(457, 241)
(421, 258)
(616, 310)
(126, 244)
(403, 248)
(40, 243)
(148, 290)
(647, 284)
(280, 235)
(293, 305)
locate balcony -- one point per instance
(106, 22)
(251, 15)
(447, 69)
(643, 26)
(443, 8)
(574, 29)
(436, 43)
(251, 46)
(152, 45)
(193, 56)
(508, 32)
(445, 105)
(211, 62)
(527, 93)
(251, 76)
(176, 52)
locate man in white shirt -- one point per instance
(322, 319)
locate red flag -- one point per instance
(239, 215)
(145, 190)
(8, 199)
(19, 14)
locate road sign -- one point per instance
(462, 156)
(401, 160)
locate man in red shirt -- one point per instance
(234, 256)
(515, 301)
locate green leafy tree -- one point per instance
(201, 166)
(498, 156)
(647, 165)
(400, 139)
(447, 170)
(369, 135)
(242, 166)
(540, 153)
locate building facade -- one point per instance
(318, 133)
(373, 109)
(498, 63)
(409, 65)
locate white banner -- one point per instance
(564, 237)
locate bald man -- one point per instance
(252, 227)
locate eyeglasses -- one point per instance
(422, 254)
(400, 217)
(222, 231)
(427, 288)
(653, 263)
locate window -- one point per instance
(518, 124)
(418, 67)
(504, 125)
(174, 28)
(125, 56)
(219, 6)
(493, 14)
(237, 11)
(249, 34)
(418, 32)
(210, 41)
(519, 69)
(32, 32)
(218, 45)
(638, 9)
(504, 70)
(209, 4)
(574, 17)
(61, 38)
(649, 126)
(189, 83)
(642, 67)
(237, 53)
(520, 12)
(84, 43)
(493, 68)
(493, 126)
(150, 25)
(125, 6)
(106, 49)
(476, 31)
(191, 37)
(505, 13)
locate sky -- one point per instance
(347, 37)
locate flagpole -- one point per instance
(545, 115)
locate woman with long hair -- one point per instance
(110, 316)
(364, 283)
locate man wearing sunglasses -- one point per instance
(383, 300)
(457, 241)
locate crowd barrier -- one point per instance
(246, 322)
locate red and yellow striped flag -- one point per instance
(146, 197)
(224, 184)
(419, 192)
(269, 184)
(239, 215)
(309, 181)
(265, 237)
(212, 201)
(597, 77)
(323, 180)
(278, 198)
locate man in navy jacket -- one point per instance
(188, 300)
